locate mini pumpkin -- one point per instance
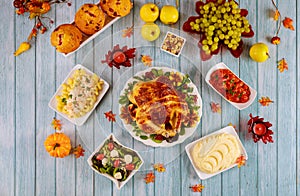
(58, 145)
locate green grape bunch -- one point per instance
(220, 22)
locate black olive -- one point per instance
(172, 139)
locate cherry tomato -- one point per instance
(100, 157)
(116, 163)
(129, 166)
(110, 146)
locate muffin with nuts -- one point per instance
(66, 38)
(89, 18)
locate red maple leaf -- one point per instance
(197, 188)
(265, 101)
(78, 151)
(150, 177)
(110, 116)
(128, 32)
(241, 161)
(215, 107)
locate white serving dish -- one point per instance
(184, 40)
(119, 184)
(87, 38)
(229, 130)
(78, 121)
(239, 106)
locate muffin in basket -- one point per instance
(66, 38)
(116, 8)
(89, 18)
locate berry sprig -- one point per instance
(36, 10)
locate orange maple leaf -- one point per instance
(288, 23)
(128, 32)
(234, 126)
(241, 161)
(276, 15)
(146, 60)
(215, 107)
(150, 177)
(159, 167)
(282, 65)
(110, 116)
(78, 151)
(56, 124)
(265, 101)
(197, 188)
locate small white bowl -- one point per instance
(119, 184)
(176, 36)
(229, 130)
(239, 106)
(78, 121)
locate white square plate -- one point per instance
(119, 184)
(176, 36)
(78, 121)
(229, 130)
(239, 106)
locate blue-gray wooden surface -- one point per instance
(27, 83)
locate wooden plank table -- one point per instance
(28, 82)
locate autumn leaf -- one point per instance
(288, 23)
(241, 161)
(56, 124)
(146, 60)
(78, 151)
(215, 107)
(128, 32)
(197, 188)
(110, 116)
(282, 65)
(265, 101)
(234, 126)
(150, 177)
(159, 167)
(276, 15)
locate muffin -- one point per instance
(116, 8)
(89, 18)
(66, 38)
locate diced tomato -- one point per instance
(116, 163)
(110, 146)
(129, 166)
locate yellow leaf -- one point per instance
(159, 167)
(146, 60)
(276, 15)
(282, 65)
(265, 101)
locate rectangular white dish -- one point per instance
(86, 39)
(110, 138)
(77, 121)
(189, 147)
(239, 106)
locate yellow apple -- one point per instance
(149, 12)
(259, 52)
(150, 31)
(169, 14)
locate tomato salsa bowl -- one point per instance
(230, 86)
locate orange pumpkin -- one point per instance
(58, 145)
